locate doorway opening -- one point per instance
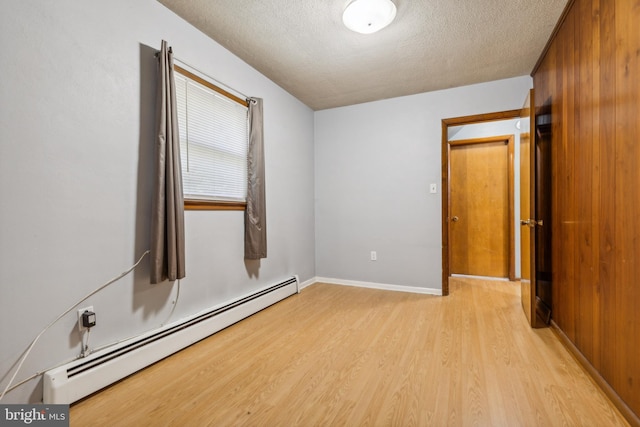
(447, 216)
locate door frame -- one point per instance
(446, 123)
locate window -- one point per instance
(213, 143)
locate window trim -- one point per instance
(211, 205)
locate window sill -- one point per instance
(212, 205)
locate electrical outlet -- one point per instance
(374, 256)
(80, 311)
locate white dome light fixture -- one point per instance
(368, 16)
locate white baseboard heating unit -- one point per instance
(75, 380)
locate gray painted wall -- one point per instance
(76, 143)
(374, 163)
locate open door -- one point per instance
(527, 245)
(535, 211)
(541, 223)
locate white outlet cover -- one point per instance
(80, 311)
(433, 188)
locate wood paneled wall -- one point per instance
(591, 76)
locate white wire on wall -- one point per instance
(35, 340)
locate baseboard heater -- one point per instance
(82, 377)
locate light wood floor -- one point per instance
(337, 355)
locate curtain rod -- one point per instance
(248, 98)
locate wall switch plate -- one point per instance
(80, 311)
(374, 256)
(433, 188)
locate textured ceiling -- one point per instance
(303, 46)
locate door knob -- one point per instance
(455, 219)
(531, 222)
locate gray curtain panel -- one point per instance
(255, 215)
(167, 217)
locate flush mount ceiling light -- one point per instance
(368, 16)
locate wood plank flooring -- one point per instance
(345, 356)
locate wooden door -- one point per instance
(480, 206)
(535, 211)
(527, 276)
(541, 221)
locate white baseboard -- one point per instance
(372, 285)
(466, 276)
(306, 283)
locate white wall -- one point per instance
(76, 143)
(374, 163)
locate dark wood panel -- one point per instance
(564, 140)
(607, 208)
(627, 168)
(590, 73)
(584, 172)
(592, 117)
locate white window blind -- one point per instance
(213, 143)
